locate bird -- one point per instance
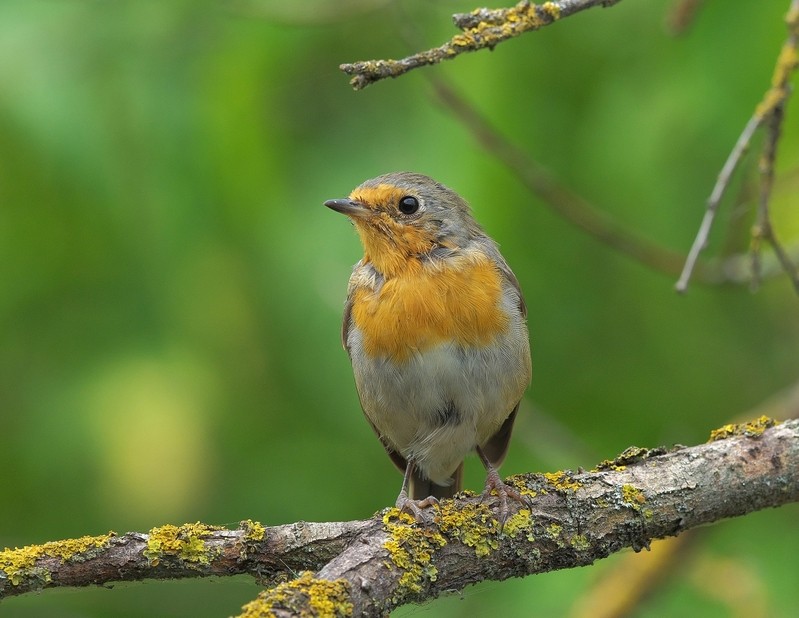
(435, 326)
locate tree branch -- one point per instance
(370, 567)
(763, 229)
(769, 112)
(485, 28)
(482, 28)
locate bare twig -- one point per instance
(768, 112)
(763, 228)
(723, 181)
(481, 29)
(367, 568)
(737, 268)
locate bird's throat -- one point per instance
(392, 248)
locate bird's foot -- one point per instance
(414, 507)
(503, 491)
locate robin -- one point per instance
(434, 325)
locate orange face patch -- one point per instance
(388, 242)
(424, 307)
(382, 197)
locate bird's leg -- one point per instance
(504, 491)
(408, 505)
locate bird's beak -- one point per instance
(348, 207)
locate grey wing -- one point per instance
(355, 277)
(507, 274)
(398, 459)
(346, 323)
(496, 447)
(514, 282)
(511, 278)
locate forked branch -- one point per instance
(769, 113)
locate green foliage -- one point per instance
(171, 286)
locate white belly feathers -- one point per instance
(438, 405)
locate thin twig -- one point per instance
(764, 229)
(771, 106)
(723, 181)
(481, 29)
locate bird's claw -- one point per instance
(414, 507)
(503, 492)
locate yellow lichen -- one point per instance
(411, 549)
(632, 496)
(254, 533)
(561, 481)
(519, 523)
(253, 530)
(551, 9)
(580, 542)
(473, 525)
(787, 62)
(19, 563)
(304, 596)
(463, 40)
(752, 429)
(518, 481)
(608, 464)
(185, 542)
(554, 531)
(630, 455)
(514, 21)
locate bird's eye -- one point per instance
(408, 205)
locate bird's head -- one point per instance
(403, 216)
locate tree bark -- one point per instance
(369, 567)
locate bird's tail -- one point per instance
(420, 488)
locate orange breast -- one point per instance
(425, 306)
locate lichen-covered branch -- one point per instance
(574, 519)
(769, 112)
(481, 29)
(172, 552)
(365, 568)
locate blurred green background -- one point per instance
(171, 286)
